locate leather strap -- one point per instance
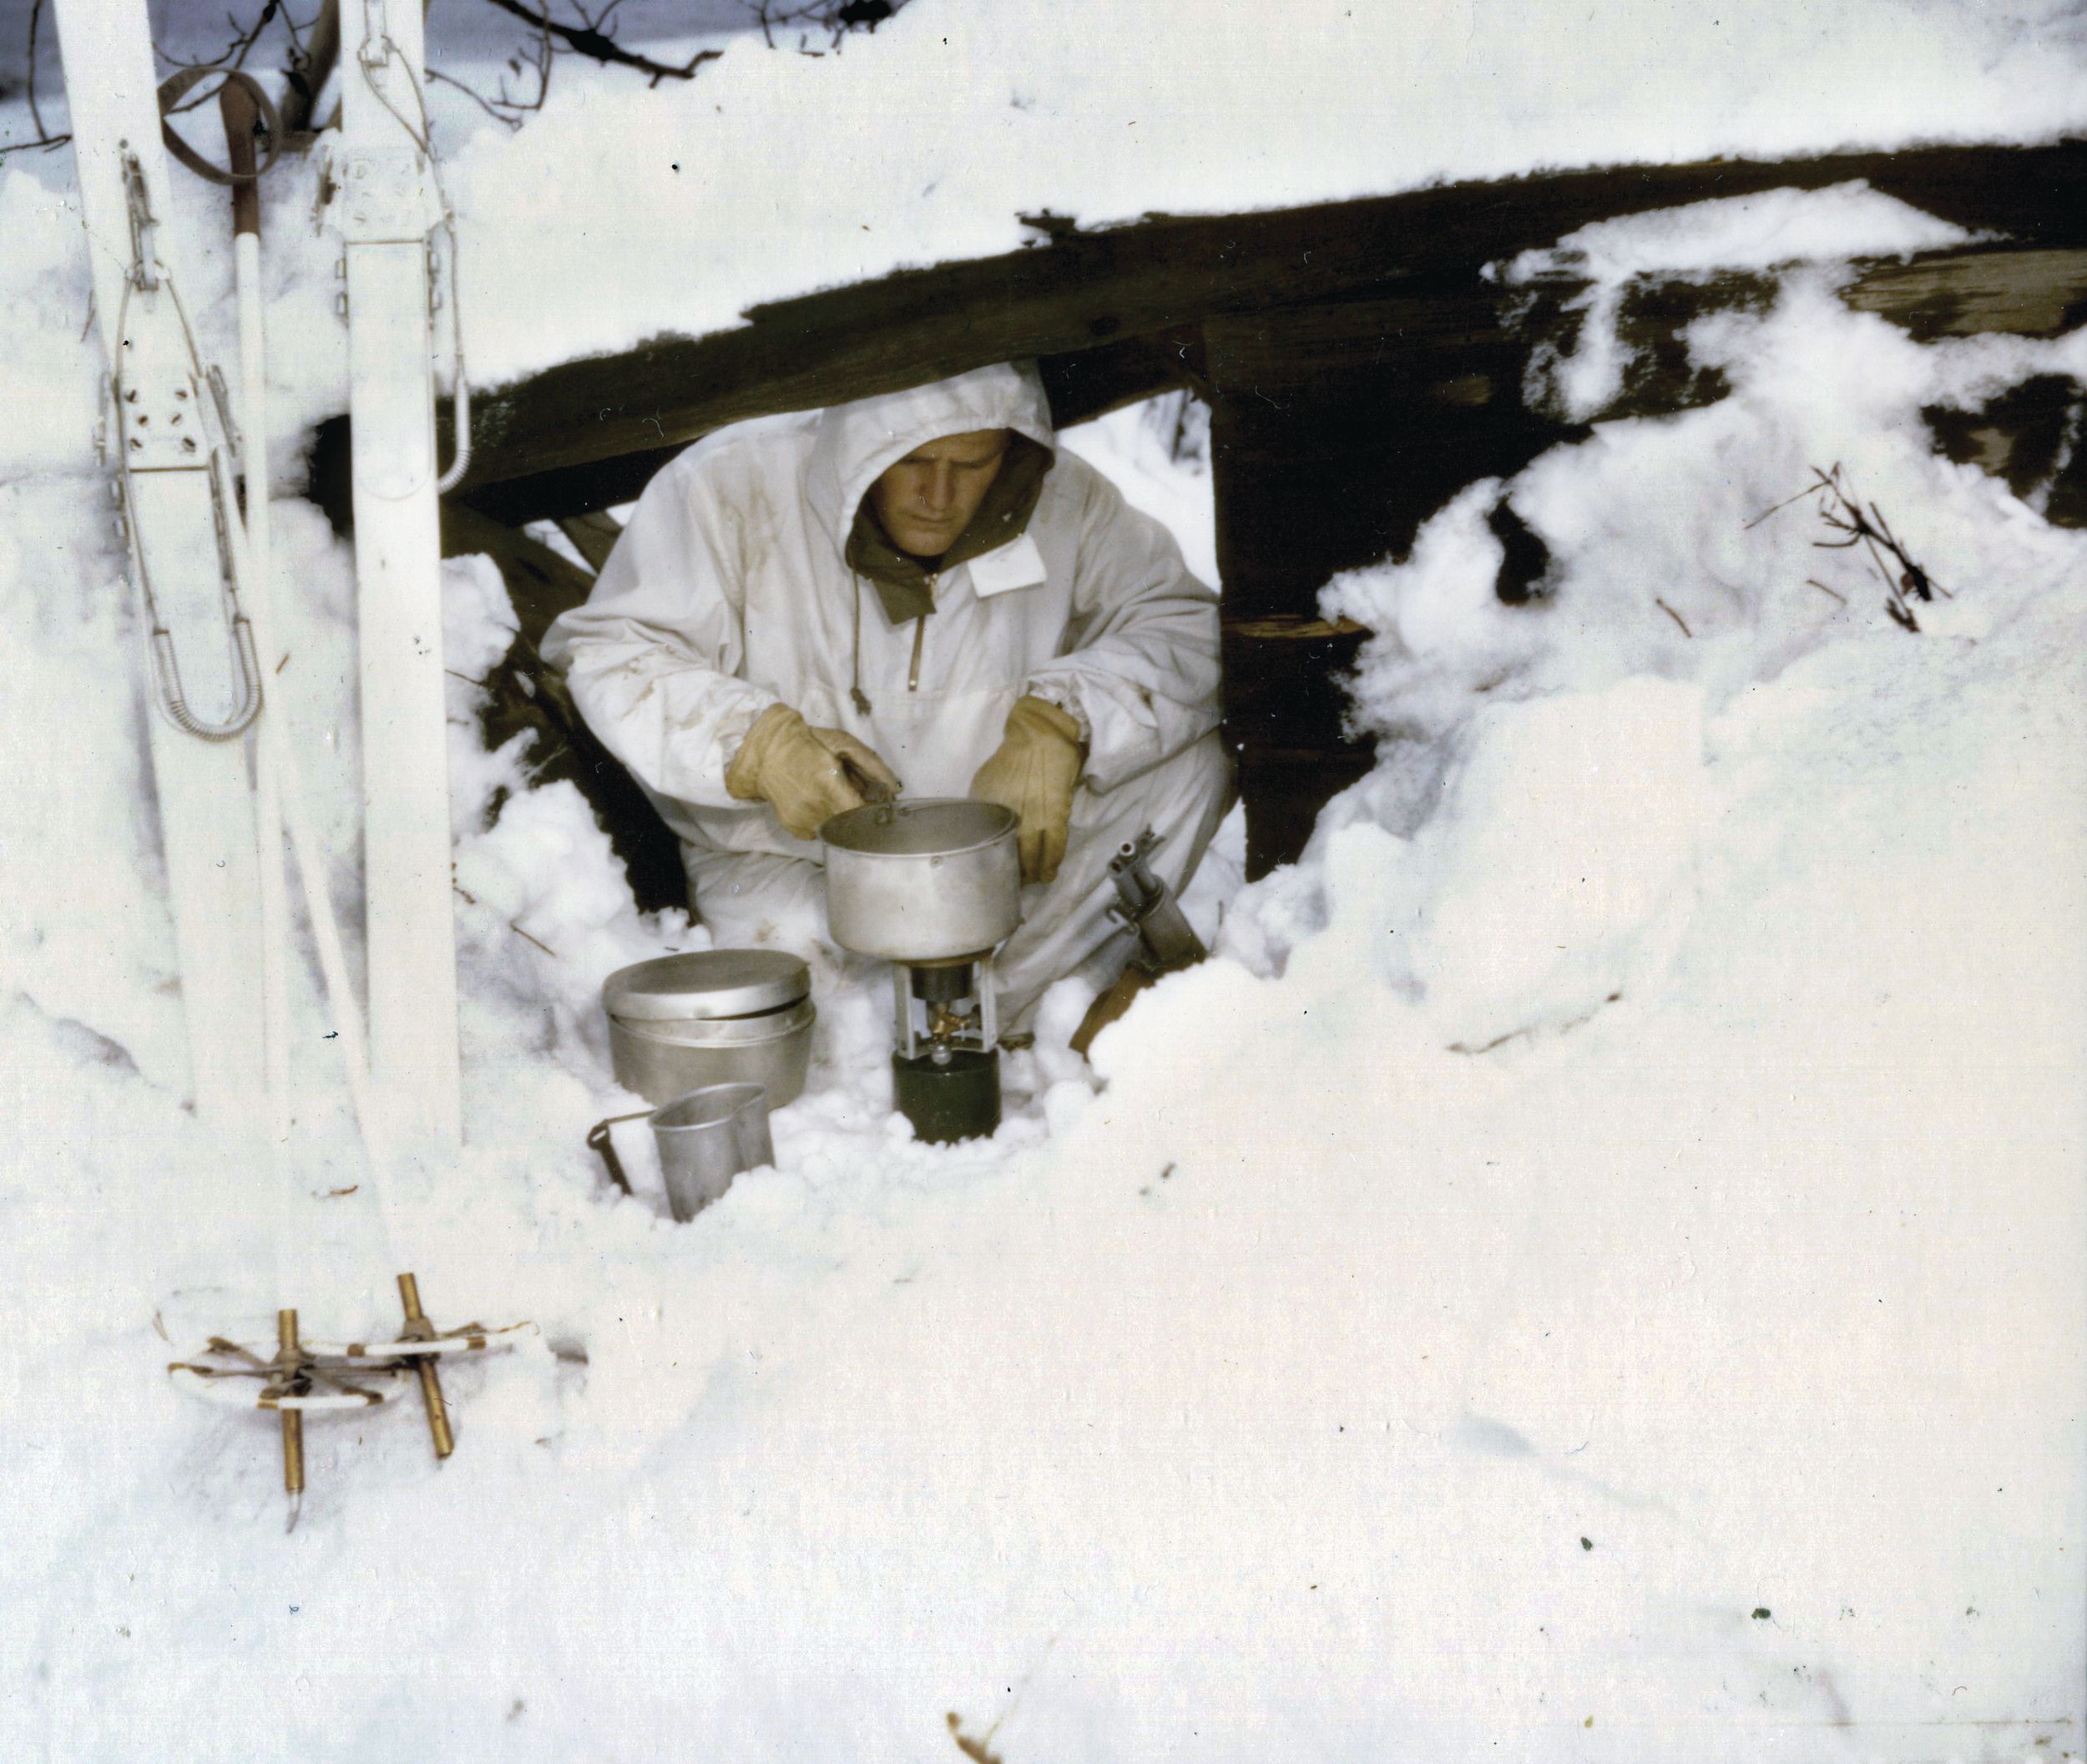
(178, 87)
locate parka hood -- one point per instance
(856, 442)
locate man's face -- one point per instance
(926, 500)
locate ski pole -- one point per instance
(289, 1360)
(241, 111)
(418, 1328)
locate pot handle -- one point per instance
(874, 791)
(597, 1140)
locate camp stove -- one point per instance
(946, 1064)
(933, 886)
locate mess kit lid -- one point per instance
(706, 982)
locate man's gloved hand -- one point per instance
(1033, 771)
(797, 770)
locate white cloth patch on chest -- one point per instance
(1016, 564)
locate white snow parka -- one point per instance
(729, 591)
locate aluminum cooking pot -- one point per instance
(926, 881)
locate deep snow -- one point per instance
(1594, 1268)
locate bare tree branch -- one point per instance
(836, 16)
(590, 40)
(436, 77)
(235, 53)
(504, 108)
(44, 137)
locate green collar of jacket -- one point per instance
(904, 583)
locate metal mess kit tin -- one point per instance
(677, 1024)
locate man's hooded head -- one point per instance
(931, 477)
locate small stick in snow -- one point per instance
(1905, 580)
(470, 899)
(1868, 528)
(539, 942)
(1674, 615)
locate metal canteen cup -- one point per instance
(707, 1138)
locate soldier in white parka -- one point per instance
(923, 584)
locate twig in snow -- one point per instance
(527, 938)
(1814, 582)
(470, 899)
(1777, 508)
(1905, 581)
(1674, 615)
(1867, 527)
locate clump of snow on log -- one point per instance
(1595, 1264)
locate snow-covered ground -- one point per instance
(1594, 1268)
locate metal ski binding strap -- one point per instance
(380, 192)
(168, 421)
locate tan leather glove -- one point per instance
(1033, 771)
(797, 771)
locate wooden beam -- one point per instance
(593, 537)
(2027, 293)
(1081, 291)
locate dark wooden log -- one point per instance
(2034, 436)
(2025, 292)
(1284, 711)
(1092, 382)
(569, 427)
(1086, 384)
(593, 537)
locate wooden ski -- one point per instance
(166, 442)
(386, 207)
